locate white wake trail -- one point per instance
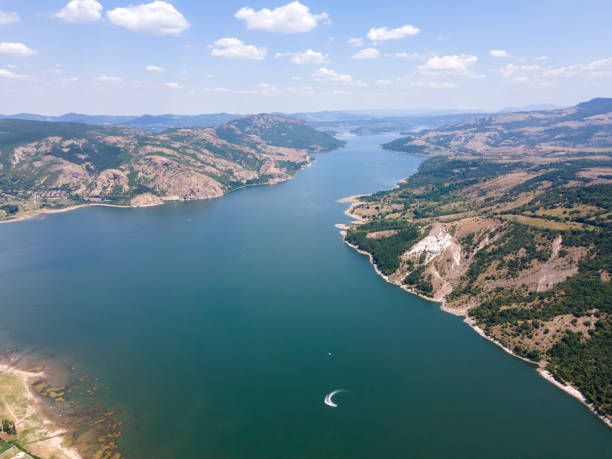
(329, 398)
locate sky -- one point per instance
(131, 57)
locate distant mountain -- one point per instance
(280, 131)
(152, 123)
(360, 122)
(530, 108)
(585, 126)
(47, 165)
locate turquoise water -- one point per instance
(211, 323)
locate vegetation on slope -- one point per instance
(524, 242)
(550, 133)
(54, 165)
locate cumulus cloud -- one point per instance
(409, 56)
(78, 11)
(154, 69)
(418, 83)
(15, 50)
(109, 79)
(8, 17)
(160, 18)
(307, 57)
(291, 18)
(7, 74)
(498, 53)
(69, 80)
(541, 58)
(355, 42)
(325, 74)
(432, 84)
(367, 53)
(173, 85)
(234, 48)
(382, 33)
(539, 75)
(450, 65)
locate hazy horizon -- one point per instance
(180, 56)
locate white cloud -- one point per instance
(325, 74)
(232, 47)
(433, 84)
(158, 17)
(382, 33)
(367, 53)
(418, 83)
(10, 75)
(154, 69)
(8, 17)
(16, 49)
(261, 89)
(109, 79)
(78, 11)
(291, 18)
(356, 42)
(409, 56)
(69, 80)
(54, 71)
(598, 68)
(307, 57)
(498, 53)
(450, 65)
(173, 85)
(538, 75)
(541, 58)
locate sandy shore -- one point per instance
(467, 320)
(52, 445)
(42, 212)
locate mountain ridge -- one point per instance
(54, 165)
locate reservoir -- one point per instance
(219, 327)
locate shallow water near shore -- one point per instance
(212, 323)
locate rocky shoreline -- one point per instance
(53, 435)
(143, 203)
(357, 220)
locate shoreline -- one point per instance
(357, 220)
(56, 433)
(43, 212)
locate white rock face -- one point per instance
(435, 244)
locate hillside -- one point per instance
(52, 165)
(516, 239)
(585, 127)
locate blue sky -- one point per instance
(188, 56)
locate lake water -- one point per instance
(212, 324)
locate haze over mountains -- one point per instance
(359, 121)
(555, 132)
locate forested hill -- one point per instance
(47, 165)
(510, 225)
(281, 131)
(586, 126)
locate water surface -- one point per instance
(212, 324)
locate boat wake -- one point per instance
(329, 398)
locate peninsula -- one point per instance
(509, 224)
(54, 166)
